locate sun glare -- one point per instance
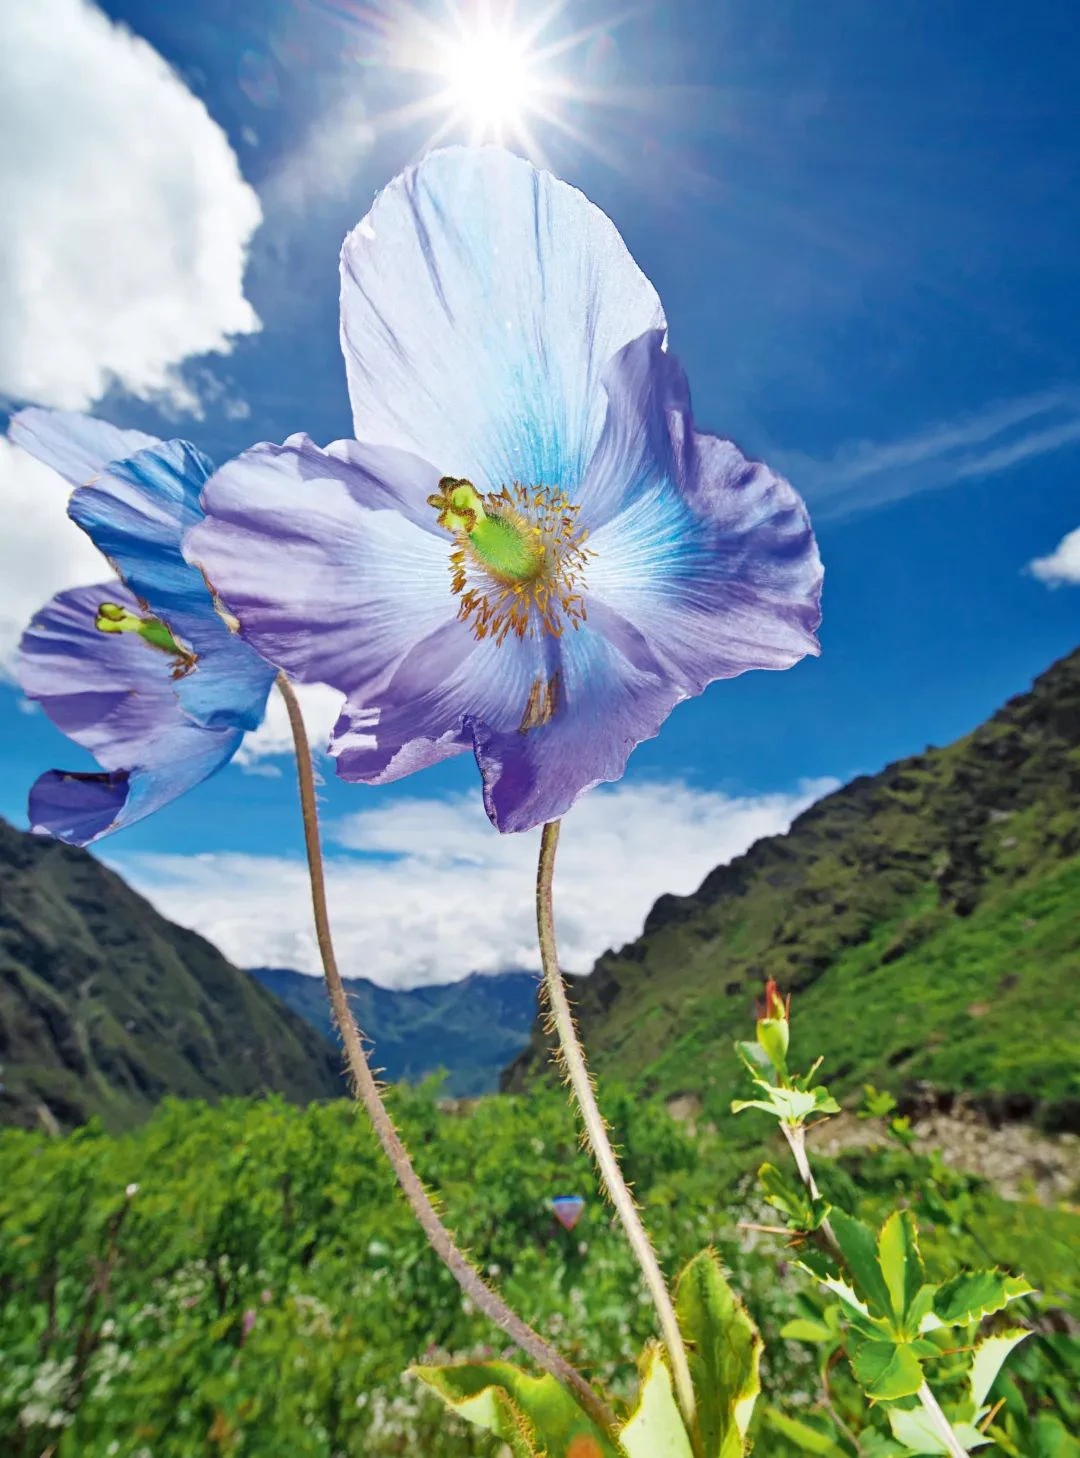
(489, 80)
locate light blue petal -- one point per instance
(113, 694)
(480, 302)
(136, 512)
(78, 446)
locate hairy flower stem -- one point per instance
(367, 1091)
(796, 1138)
(596, 1132)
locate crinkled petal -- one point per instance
(712, 557)
(313, 551)
(113, 694)
(136, 513)
(480, 302)
(78, 446)
(453, 693)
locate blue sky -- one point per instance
(861, 222)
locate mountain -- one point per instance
(927, 920)
(470, 1028)
(106, 1007)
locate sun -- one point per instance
(491, 82)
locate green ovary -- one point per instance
(112, 618)
(510, 553)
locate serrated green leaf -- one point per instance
(513, 1404)
(901, 1265)
(724, 1350)
(859, 1249)
(656, 1429)
(807, 1438)
(913, 1428)
(975, 1294)
(802, 1330)
(987, 1363)
(886, 1370)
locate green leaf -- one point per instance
(803, 1330)
(859, 1249)
(807, 1439)
(516, 1407)
(656, 1429)
(987, 1363)
(724, 1349)
(901, 1264)
(913, 1428)
(772, 1034)
(788, 1104)
(886, 1370)
(789, 1196)
(975, 1294)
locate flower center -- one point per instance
(518, 558)
(112, 618)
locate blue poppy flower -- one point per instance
(143, 673)
(529, 551)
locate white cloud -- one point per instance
(1063, 563)
(320, 706)
(126, 221)
(862, 475)
(41, 551)
(436, 893)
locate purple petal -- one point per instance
(114, 694)
(712, 557)
(78, 446)
(480, 301)
(321, 557)
(453, 692)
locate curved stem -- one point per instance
(596, 1132)
(367, 1091)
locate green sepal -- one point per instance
(724, 1351)
(773, 1034)
(886, 1370)
(656, 1428)
(517, 1407)
(791, 1198)
(975, 1294)
(912, 1427)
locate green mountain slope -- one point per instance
(105, 1006)
(470, 1028)
(927, 919)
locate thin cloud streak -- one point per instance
(864, 475)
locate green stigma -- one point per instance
(508, 545)
(112, 618)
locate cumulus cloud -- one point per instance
(1063, 564)
(320, 706)
(126, 222)
(41, 551)
(424, 891)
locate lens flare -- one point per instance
(489, 80)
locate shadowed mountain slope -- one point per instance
(927, 919)
(470, 1028)
(105, 1007)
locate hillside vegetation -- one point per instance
(926, 919)
(105, 1007)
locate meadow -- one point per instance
(244, 1278)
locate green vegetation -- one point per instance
(105, 1006)
(925, 916)
(264, 1289)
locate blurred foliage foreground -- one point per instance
(243, 1279)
